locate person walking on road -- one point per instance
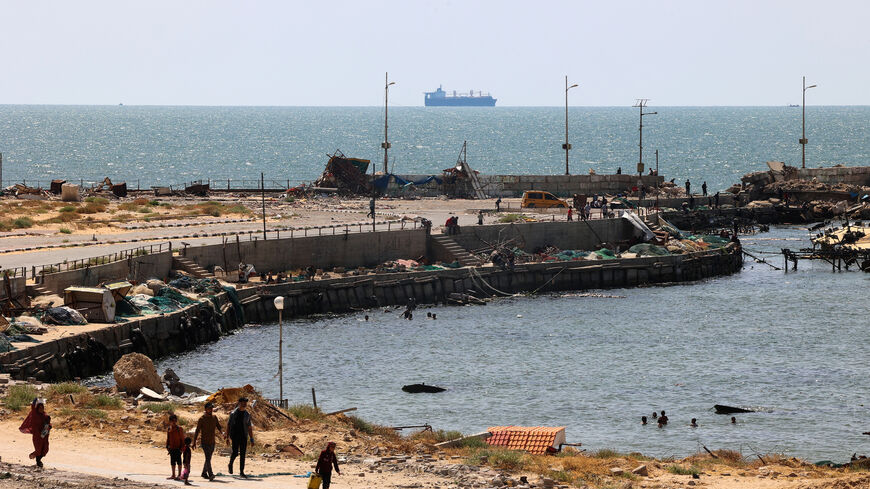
(325, 463)
(206, 426)
(371, 208)
(174, 445)
(37, 424)
(239, 432)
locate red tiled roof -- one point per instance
(532, 439)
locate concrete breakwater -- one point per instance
(440, 287)
(95, 348)
(95, 351)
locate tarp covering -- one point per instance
(383, 181)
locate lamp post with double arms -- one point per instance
(803, 140)
(567, 146)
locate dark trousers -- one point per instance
(326, 477)
(240, 448)
(206, 467)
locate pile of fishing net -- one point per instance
(63, 316)
(200, 286)
(646, 249)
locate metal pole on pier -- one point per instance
(263, 194)
(567, 146)
(279, 304)
(803, 140)
(641, 104)
(386, 143)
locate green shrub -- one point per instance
(500, 458)
(104, 401)
(66, 388)
(510, 218)
(94, 413)
(361, 425)
(65, 231)
(97, 200)
(305, 411)
(560, 476)
(680, 470)
(19, 396)
(159, 407)
(22, 223)
(91, 208)
(68, 208)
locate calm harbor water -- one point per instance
(793, 346)
(169, 145)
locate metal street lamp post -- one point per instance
(641, 104)
(567, 146)
(803, 140)
(279, 305)
(386, 143)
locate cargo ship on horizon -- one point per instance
(440, 98)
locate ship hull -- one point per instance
(460, 102)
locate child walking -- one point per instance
(174, 444)
(185, 460)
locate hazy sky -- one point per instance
(183, 52)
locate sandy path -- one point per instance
(148, 464)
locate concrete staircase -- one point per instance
(189, 266)
(458, 253)
(35, 290)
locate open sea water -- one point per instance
(170, 145)
(793, 346)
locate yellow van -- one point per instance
(541, 199)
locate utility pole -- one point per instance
(803, 141)
(567, 146)
(657, 162)
(386, 143)
(263, 195)
(641, 104)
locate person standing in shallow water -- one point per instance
(325, 463)
(37, 424)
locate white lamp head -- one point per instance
(279, 303)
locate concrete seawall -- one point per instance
(341, 250)
(95, 352)
(434, 287)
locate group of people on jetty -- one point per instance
(238, 433)
(662, 420)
